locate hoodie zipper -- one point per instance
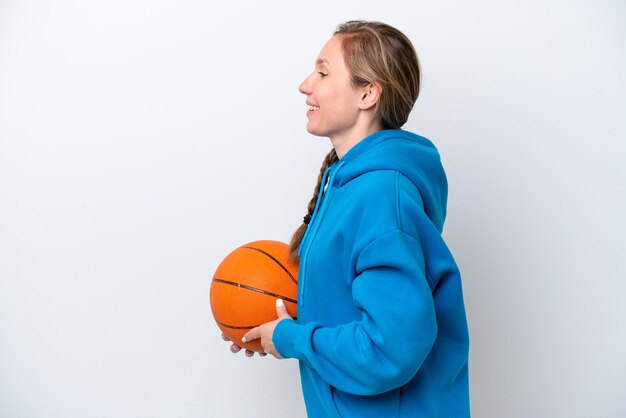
(316, 220)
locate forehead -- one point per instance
(331, 54)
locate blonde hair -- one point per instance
(376, 53)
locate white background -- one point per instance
(142, 141)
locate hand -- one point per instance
(265, 331)
(234, 348)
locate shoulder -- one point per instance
(376, 188)
(383, 199)
(383, 186)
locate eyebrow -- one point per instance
(321, 61)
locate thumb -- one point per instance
(253, 334)
(281, 309)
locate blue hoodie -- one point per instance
(381, 329)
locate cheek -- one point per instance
(345, 107)
(336, 101)
(345, 97)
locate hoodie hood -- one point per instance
(412, 155)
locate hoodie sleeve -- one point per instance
(384, 349)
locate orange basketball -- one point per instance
(246, 285)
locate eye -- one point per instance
(321, 74)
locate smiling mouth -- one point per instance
(313, 108)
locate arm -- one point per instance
(397, 329)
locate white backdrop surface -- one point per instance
(141, 141)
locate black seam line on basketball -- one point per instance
(255, 289)
(277, 262)
(236, 327)
(242, 327)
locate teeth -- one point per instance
(313, 107)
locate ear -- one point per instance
(369, 96)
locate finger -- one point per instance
(224, 337)
(262, 354)
(281, 309)
(235, 348)
(249, 353)
(253, 334)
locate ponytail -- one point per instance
(296, 239)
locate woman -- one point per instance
(381, 329)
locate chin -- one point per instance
(313, 131)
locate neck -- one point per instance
(343, 143)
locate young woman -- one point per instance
(381, 329)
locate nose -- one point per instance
(305, 86)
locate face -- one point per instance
(332, 101)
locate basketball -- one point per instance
(245, 287)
